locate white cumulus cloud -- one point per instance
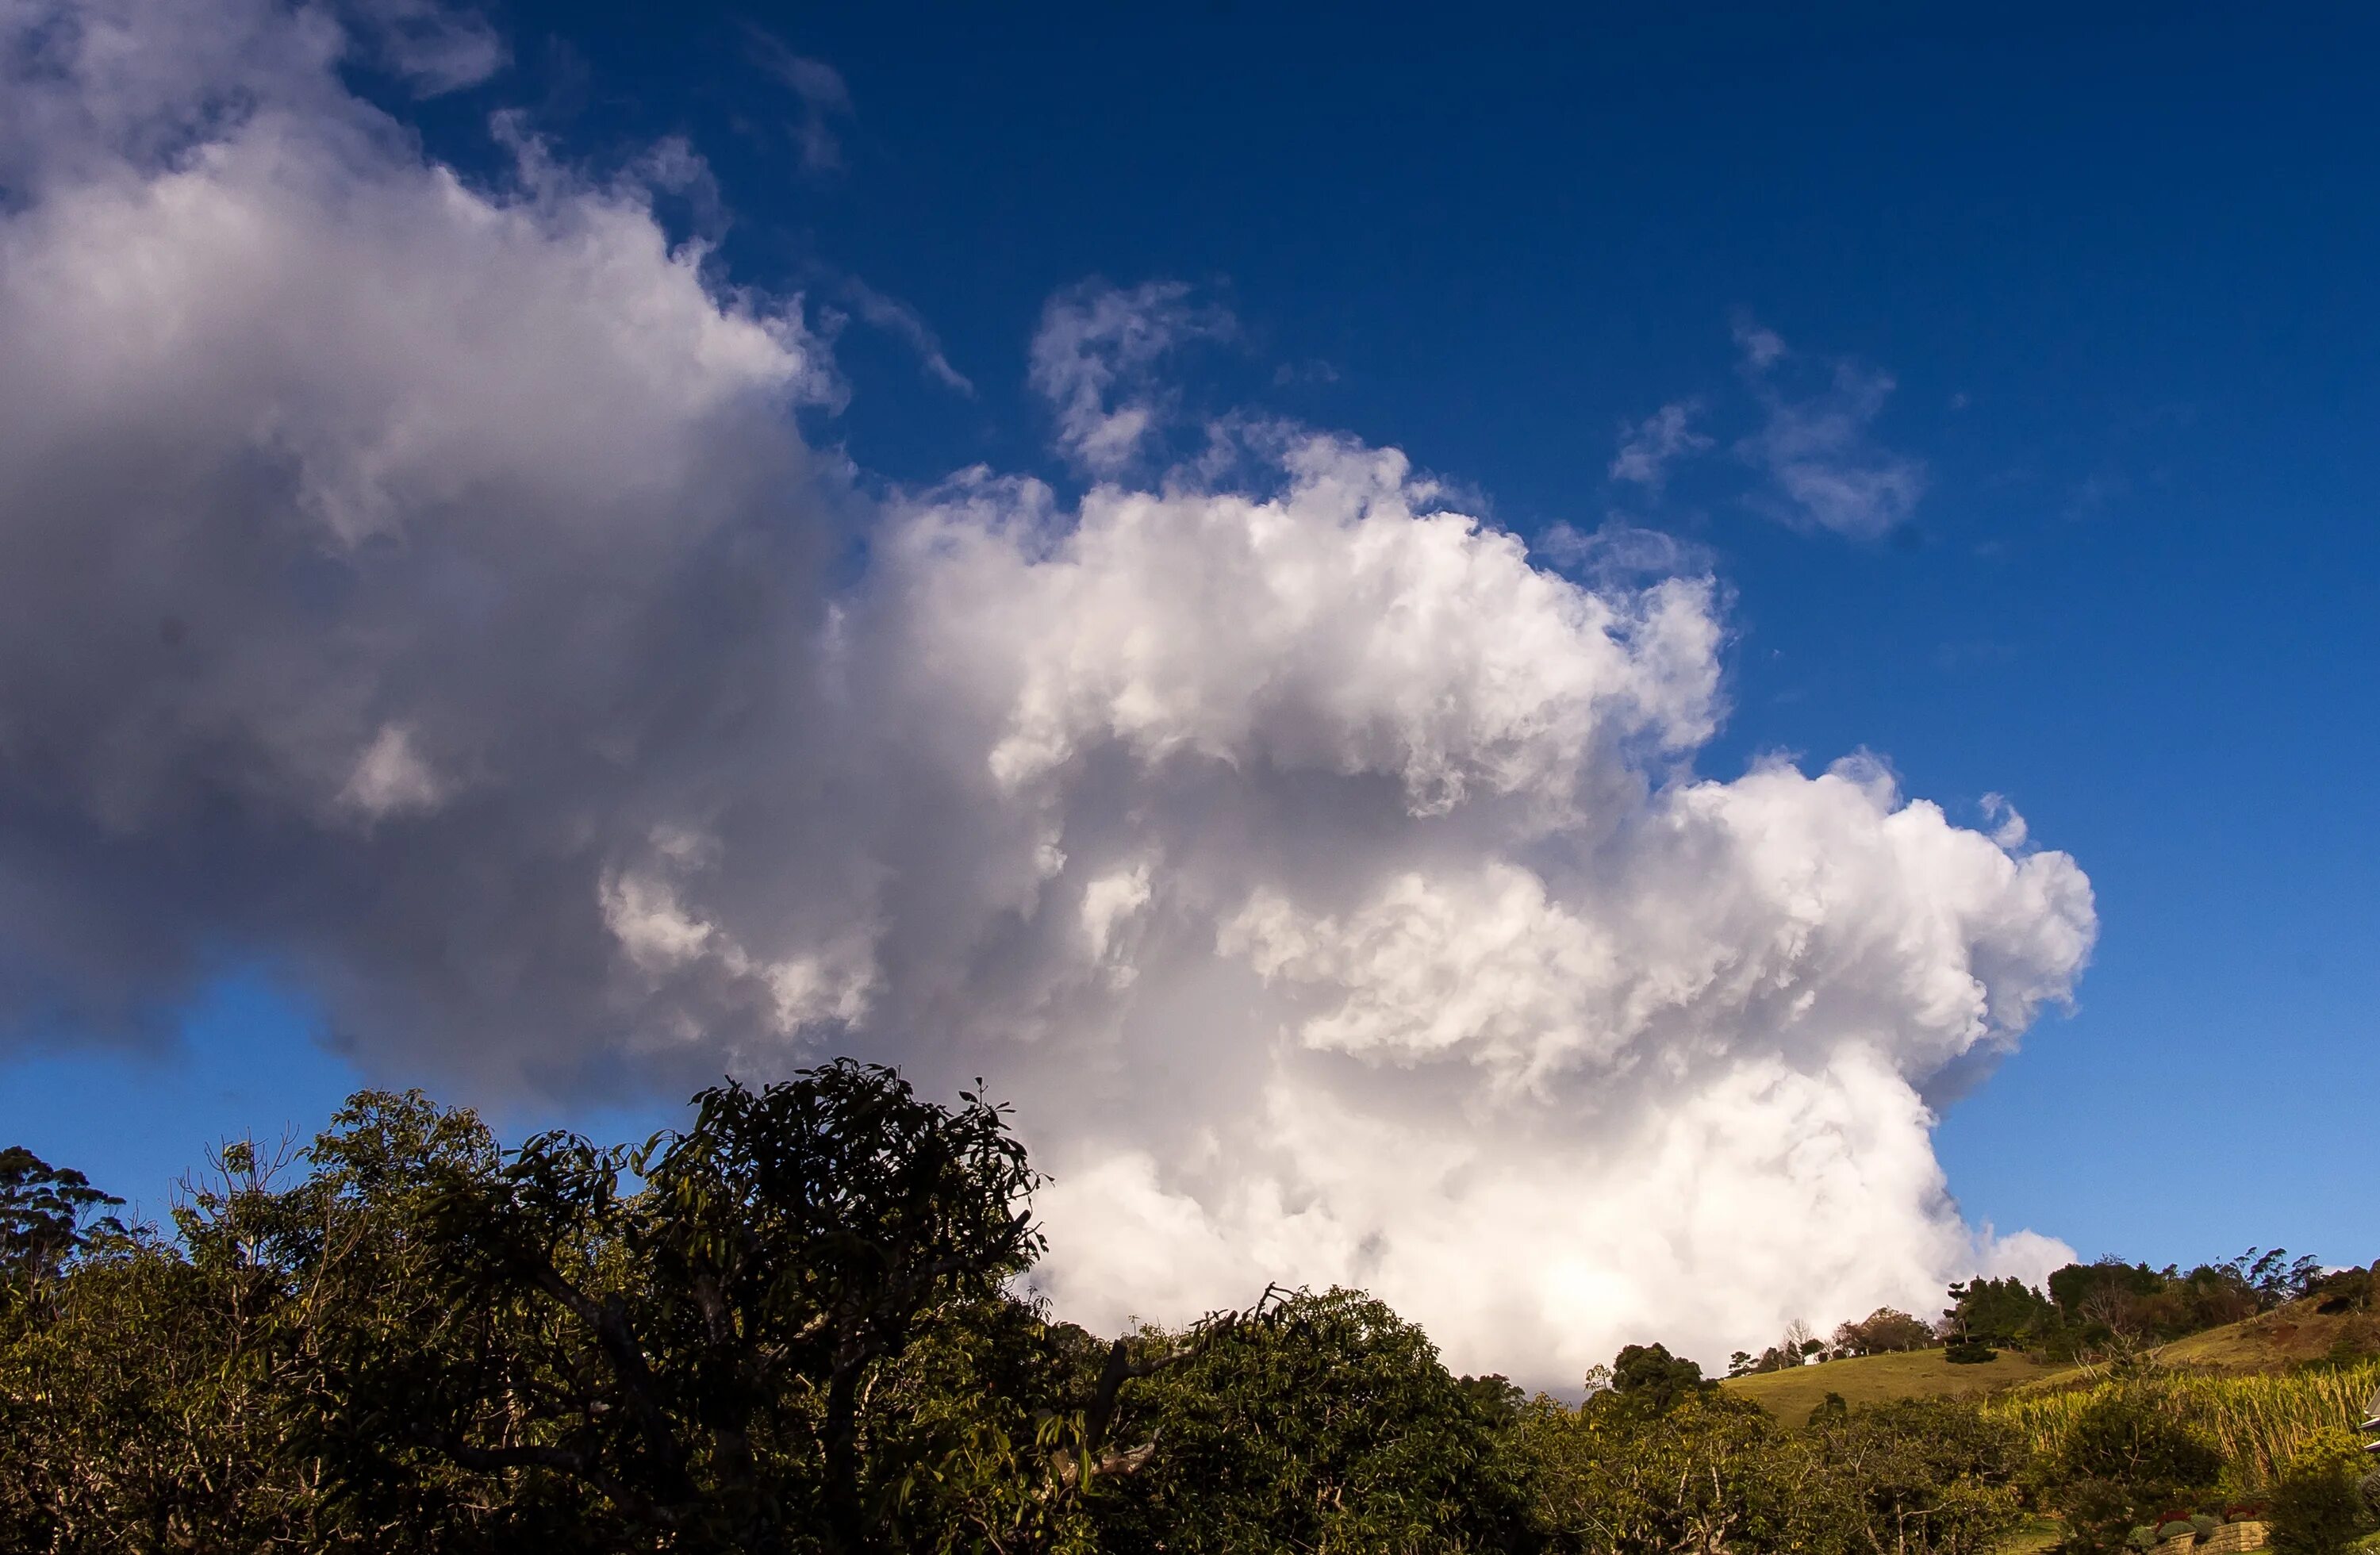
(425, 585)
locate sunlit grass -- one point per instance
(2258, 1421)
(1791, 1394)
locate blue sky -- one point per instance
(2117, 269)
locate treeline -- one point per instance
(2099, 1311)
(791, 1327)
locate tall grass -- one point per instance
(2259, 1422)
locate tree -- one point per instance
(2270, 1274)
(1705, 1474)
(167, 1383)
(1882, 1332)
(702, 1355)
(1315, 1423)
(2124, 1462)
(43, 1209)
(1914, 1477)
(2002, 1312)
(1648, 1376)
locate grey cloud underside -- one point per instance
(422, 588)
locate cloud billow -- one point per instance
(425, 587)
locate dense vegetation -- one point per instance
(2085, 1312)
(792, 1326)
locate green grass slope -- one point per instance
(2272, 1341)
(1791, 1394)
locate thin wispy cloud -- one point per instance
(824, 97)
(1650, 447)
(434, 47)
(905, 324)
(1619, 550)
(1761, 345)
(1825, 466)
(1093, 360)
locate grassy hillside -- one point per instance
(2271, 1343)
(1791, 1394)
(2268, 1343)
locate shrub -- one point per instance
(1969, 1353)
(2125, 1461)
(2318, 1506)
(2174, 1529)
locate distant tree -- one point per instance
(2273, 1278)
(1882, 1331)
(1498, 1397)
(1652, 1380)
(2345, 1290)
(2005, 1312)
(42, 1213)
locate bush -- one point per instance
(2174, 1529)
(2125, 1462)
(1969, 1353)
(2318, 1507)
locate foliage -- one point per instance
(2346, 1290)
(1627, 1475)
(2318, 1507)
(2112, 1308)
(1712, 1474)
(791, 1327)
(702, 1354)
(1882, 1332)
(42, 1213)
(1998, 1312)
(1918, 1477)
(2124, 1461)
(1650, 1377)
(1318, 1423)
(2258, 1423)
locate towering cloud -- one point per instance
(424, 588)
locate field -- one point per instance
(2234, 1384)
(2259, 1419)
(1791, 1394)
